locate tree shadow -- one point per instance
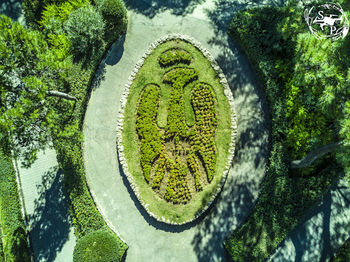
(224, 10)
(50, 221)
(151, 8)
(253, 141)
(323, 229)
(11, 8)
(251, 154)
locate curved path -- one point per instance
(149, 240)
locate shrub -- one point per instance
(85, 29)
(32, 11)
(147, 128)
(200, 138)
(174, 56)
(15, 245)
(97, 246)
(114, 15)
(60, 11)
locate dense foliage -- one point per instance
(29, 69)
(150, 141)
(114, 15)
(305, 82)
(175, 151)
(64, 31)
(174, 56)
(87, 41)
(14, 237)
(97, 246)
(203, 141)
(343, 254)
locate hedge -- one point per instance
(85, 215)
(14, 235)
(97, 246)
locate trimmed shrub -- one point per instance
(85, 29)
(174, 56)
(115, 16)
(15, 245)
(97, 246)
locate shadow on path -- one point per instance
(252, 146)
(49, 223)
(322, 231)
(151, 8)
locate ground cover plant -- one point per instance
(45, 88)
(14, 246)
(178, 128)
(305, 83)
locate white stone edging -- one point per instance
(123, 100)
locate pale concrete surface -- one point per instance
(50, 229)
(149, 240)
(324, 229)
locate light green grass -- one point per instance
(151, 72)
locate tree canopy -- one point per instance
(32, 77)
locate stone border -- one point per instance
(123, 100)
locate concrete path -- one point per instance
(149, 240)
(325, 228)
(50, 229)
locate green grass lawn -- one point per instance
(151, 72)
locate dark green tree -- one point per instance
(85, 29)
(31, 85)
(114, 15)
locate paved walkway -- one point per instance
(51, 232)
(149, 240)
(325, 228)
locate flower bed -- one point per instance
(178, 168)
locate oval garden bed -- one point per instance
(176, 129)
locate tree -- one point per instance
(85, 29)
(114, 15)
(32, 77)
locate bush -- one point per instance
(32, 11)
(15, 245)
(97, 246)
(85, 29)
(147, 128)
(60, 11)
(115, 16)
(174, 56)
